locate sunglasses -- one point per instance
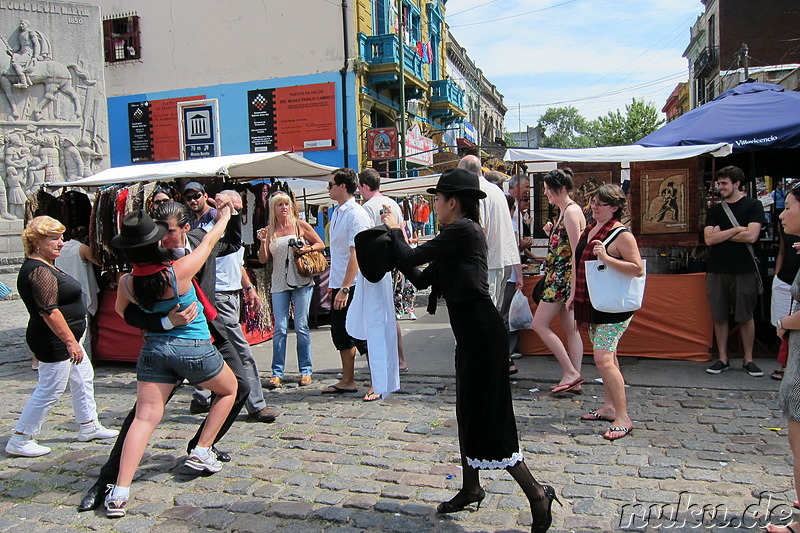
(598, 203)
(332, 184)
(193, 196)
(163, 200)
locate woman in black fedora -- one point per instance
(457, 270)
(157, 285)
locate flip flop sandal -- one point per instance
(333, 389)
(777, 375)
(371, 397)
(593, 415)
(625, 432)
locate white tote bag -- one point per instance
(611, 291)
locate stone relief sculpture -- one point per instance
(53, 118)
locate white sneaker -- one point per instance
(515, 355)
(208, 462)
(115, 505)
(25, 446)
(412, 315)
(95, 430)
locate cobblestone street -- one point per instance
(339, 464)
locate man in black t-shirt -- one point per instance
(732, 277)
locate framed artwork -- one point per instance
(586, 183)
(664, 204)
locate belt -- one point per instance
(237, 291)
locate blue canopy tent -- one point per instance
(749, 117)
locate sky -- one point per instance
(595, 55)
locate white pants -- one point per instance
(781, 300)
(497, 284)
(53, 379)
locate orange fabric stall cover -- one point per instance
(673, 323)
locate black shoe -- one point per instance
(753, 370)
(224, 457)
(463, 498)
(542, 524)
(94, 497)
(718, 367)
(197, 408)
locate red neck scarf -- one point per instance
(583, 307)
(148, 269)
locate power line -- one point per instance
(471, 8)
(515, 16)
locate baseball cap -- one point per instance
(193, 186)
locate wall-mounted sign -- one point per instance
(199, 129)
(419, 149)
(381, 144)
(300, 118)
(153, 126)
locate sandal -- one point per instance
(594, 415)
(621, 429)
(371, 397)
(273, 383)
(777, 375)
(575, 387)
(305, 379)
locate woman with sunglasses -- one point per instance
(605, 329)
(161, 194)
(285, 236)
(563, 238)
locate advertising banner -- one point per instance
(419, 149)
(381, 144)
(300, 118)
(154, 133)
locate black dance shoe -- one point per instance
(94, 497)
(542, 523)
(461, 500)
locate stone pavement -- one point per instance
(701, 452)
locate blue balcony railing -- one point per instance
(447, 91)
(384, 50)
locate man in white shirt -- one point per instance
(348, 219)
(369, 184)
(503, 253)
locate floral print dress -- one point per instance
(558, 266)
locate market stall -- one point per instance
(667, 243)
(120, 190)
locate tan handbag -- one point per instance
(311, 263)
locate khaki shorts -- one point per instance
(736, 291)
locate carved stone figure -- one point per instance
(73, 164)
(26, 46)
(51, 159)
(89, 157)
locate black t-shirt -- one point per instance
(43, 289)
(733, 257)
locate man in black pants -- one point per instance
(177, 220)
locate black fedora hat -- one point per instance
(138, 229)
(375, 253)
(458, 181)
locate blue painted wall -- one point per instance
(234, 126)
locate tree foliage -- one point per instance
(565, 127)
(639, 120)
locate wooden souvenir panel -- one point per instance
(664, 203)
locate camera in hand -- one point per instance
(297, 243)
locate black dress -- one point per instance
(486, 427)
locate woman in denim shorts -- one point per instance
(157, 286)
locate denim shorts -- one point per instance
(165, 359)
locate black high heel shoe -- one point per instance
(543, 524)
(461, 500)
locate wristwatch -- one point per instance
(346, 290)
(250, 287)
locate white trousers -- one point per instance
(53, 379)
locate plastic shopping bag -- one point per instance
(519, 314)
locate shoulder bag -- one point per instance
(735, 223)
(311, 263)
(612, 291)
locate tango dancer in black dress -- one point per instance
(457, 270)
